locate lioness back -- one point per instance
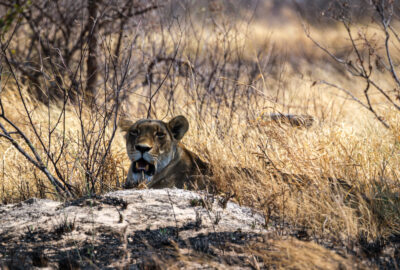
(158, 159)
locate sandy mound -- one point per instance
(142, 229)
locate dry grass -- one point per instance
(295, 254)
(346, 143)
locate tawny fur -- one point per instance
(175, 165)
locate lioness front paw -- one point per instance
(129, 185)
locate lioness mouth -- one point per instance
(142, 166)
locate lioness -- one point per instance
(158, 158)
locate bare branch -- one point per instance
(152, 95)
(368, 107)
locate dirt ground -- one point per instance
(156, 229)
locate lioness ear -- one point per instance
(178, 126)
(125, 124)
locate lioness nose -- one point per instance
(142, 148)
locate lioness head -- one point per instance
(151, 146)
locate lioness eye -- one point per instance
(133, 132)
(160, 135)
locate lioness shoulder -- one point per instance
(158, 158)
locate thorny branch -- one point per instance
(363, 67)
